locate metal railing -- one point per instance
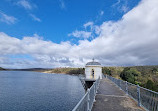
(86, 103)
(144, 97)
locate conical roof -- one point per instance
(93, 63)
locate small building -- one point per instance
(93, 70)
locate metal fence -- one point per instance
(144, 97)
(86, 103)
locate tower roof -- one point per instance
(93, 63)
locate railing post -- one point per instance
(97, 83)
(126, 88)
(88, 100)
(138, 93)
(120, 83)
(95, 88)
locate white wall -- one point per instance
(97, 72)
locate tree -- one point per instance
(106, 71)
(150, 84)
(154, 70)
(130, 74)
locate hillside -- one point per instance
(146, 76)
(65, 71)
(2, 68)
(30, 69)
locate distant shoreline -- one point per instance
(145, 76)
(68, 71)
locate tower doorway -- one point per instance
(93, 73)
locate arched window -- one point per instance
(93, 73)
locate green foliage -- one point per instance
(150, 84)
(77, 71)
(107, 71)
(145, 76)
(136, 75)
(154, 70)
(67, 70)
(112, 71)
(130, 75)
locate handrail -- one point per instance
(144, 97)
(76, 107)
(86, 103)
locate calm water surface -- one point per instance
(33, 91)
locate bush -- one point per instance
(150, 84)
(154, 70)
(106, 71)
(76, 71)
(130, 75)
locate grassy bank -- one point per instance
(76, 71)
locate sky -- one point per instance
(69, 33)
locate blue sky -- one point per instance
(69, 33)
(58, 18)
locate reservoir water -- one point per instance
(34, 91)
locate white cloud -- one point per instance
(80, 34)
(90, 28)
(7, 19)
(84, 34)
(62, 4)
(101, 13)
(124, 8)
(129, 41)
(35, 18)
(121, 6)
(117, 3)
(88, 24)
(25, 4)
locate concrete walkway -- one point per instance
(111, 98)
